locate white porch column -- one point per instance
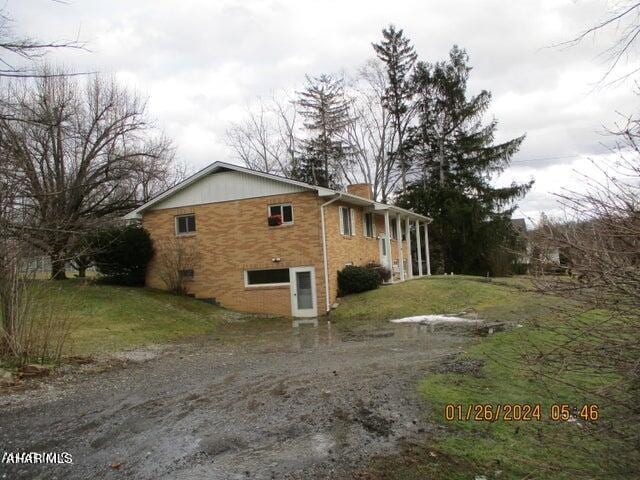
(426, 247)
(399, 237)
(419, 248)
(407, 233)
(387, 242)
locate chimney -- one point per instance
(363, 190)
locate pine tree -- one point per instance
(326, 114)
(399, 57)
(458, 158)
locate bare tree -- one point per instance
(76, 149)
(31, 328)
(624, 18)
(267, 139)
(157, 171)
(16, 49)
(176, 259)
(599, 242)
(370, 133)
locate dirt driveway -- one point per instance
(287, 402)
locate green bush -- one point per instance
(519, 268)
(383, 272)
(353, 279)
(122, 253)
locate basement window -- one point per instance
(185, 224)
(186, 275)
(268, 277)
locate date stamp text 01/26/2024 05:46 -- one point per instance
(521, 412)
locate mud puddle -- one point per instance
(273, 400)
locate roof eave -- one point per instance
(322, 191)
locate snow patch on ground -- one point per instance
(433, 319)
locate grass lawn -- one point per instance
(543, 449)
(502, 299)
(534, 449)
(106, 318)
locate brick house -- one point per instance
(267, 244)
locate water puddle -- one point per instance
(428, 319)
(427, 324)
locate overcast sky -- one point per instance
(201, 62)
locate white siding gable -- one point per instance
(225, 186)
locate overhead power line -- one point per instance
(542, 159)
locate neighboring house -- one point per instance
(267, 244)
(532, 249)
(41, 265)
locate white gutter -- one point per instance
(324, 250)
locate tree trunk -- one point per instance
(58, 270)
(82, 272)
(442, 161)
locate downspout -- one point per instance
(324, 250)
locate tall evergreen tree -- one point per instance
(458, 157)
(399, 57)
(326, 113)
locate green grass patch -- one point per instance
(512, 374)
(105, 318)
(503, 299)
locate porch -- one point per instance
(403, 243)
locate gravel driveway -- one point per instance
(284, 402)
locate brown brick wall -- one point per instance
(363, 190)
(234, 236)
(356, 249)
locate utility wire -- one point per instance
(541, 159)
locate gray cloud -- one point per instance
(202, 62)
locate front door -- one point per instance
(384, 259)
(303, 292)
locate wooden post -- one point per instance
(419, 248)
(387, 242)
(400, 255)
(426, 247)
(407, 230)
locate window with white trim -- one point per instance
(284, 211)
(347, 221)
(368, 225)
(394, 229)
(267, 277)
(185, 224)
